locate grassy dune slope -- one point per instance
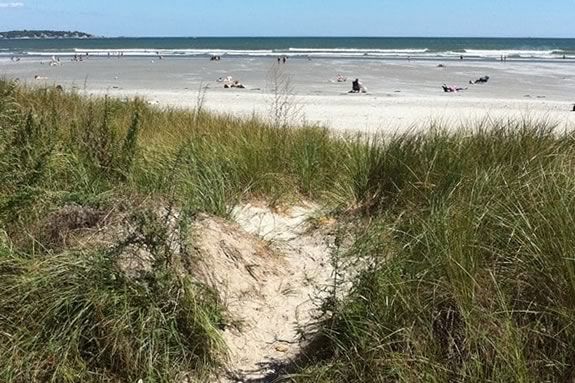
(469, 234)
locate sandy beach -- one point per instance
(401, 94)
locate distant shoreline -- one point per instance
(44, 35)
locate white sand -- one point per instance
(271, 273)
(401, 94)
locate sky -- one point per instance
(413, 18)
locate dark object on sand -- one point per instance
(480, 80)
(573, 108)
(235, 84)
(357, 87)
(59, 88)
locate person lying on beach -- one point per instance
(452, 89)
(37, 77)
(357, 87)
(480, 80)
(235, 84)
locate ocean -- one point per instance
(531, 49)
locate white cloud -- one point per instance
(11, 5)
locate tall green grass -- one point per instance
(468, 233)
(473, 279)
(75, 317)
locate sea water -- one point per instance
(532, 49)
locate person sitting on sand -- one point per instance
(480, 80)
(357, 87)
(451, 89)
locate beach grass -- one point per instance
(468, 234)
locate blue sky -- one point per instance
(512, 18)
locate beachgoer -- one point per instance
(233, 84)
(452, 89)
(357, 87)
(480, 80)
(573, 108)
(284, 59)
(279, 60)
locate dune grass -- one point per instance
(469, 234)
(473, 273)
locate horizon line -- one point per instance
(298, 36)
(333, 37)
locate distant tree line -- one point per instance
(44, 34)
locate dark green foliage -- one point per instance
(75, 317)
